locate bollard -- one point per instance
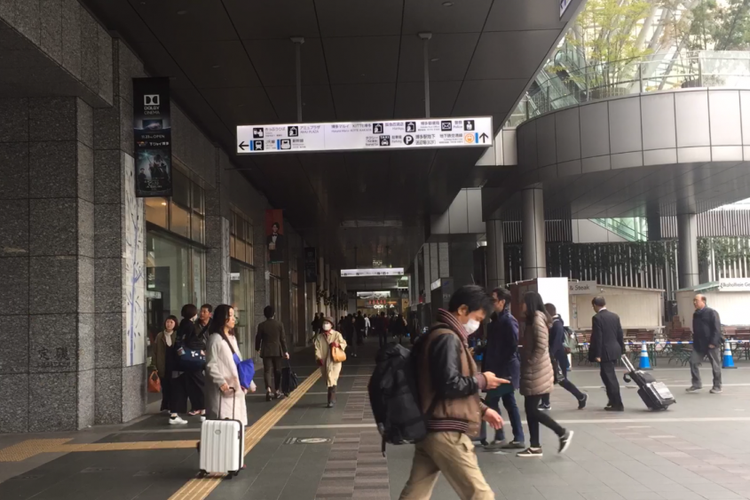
(645, 362)
(728, 359)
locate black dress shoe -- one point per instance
(614, 408)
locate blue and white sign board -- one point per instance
(380, 135)
(564, 4)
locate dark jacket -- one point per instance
(448, 380)
(557, 342)
(706, 329)
(360, 323)
(607, 340)
(501, 353)
(199, 340)
(270, 340)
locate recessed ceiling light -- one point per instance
(183, 12)
(215, 66)
(447, 4)
(435, 59)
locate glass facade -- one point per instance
(243, 301)
(176, 258)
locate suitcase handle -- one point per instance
(234, 403)
(627, 363)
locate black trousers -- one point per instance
(272, 373)
(196, 390)
(535, 416)
(166, 392)
(178, 394)
(568, 386)
(382, 338)
(609, 377)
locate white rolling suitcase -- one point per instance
(222, 446)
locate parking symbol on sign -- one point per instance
(385, 140)
(377, 128)
(408, 140)
(258, 146)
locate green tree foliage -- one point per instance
(716, 25)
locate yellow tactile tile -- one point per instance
(199, 488)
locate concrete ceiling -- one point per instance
(232, 63)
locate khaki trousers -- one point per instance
(451, 453)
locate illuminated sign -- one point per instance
(379, 272)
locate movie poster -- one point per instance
(152, 132)
(275, 240)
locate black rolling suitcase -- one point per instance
(656, 395)
(289, 380)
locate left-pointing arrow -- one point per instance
(243, 145)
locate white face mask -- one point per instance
(471, 326)
(326, 327)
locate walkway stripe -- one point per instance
(29, 448)
(569, 422)
(199, 488)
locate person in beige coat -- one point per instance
(324, 342)
(537, 374)
(224, 395)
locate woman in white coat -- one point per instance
(221, 371)
(324, 342)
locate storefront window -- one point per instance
(179, 220)
(175, 276)
(157, 211)
(243, 295)
(184, 213)
(241, 238)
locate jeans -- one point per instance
(514, 415)
(714, 357)
(568, 386)
(535, 416)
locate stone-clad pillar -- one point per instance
(532, 225)
(495, 254)
(46, 265)
(687, 250)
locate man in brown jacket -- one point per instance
(449, 385)
(270, 341)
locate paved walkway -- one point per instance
(297, 450)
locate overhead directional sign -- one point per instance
(382, 135)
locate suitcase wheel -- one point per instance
(236, 473)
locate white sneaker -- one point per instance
(177, 420)
(203, 418)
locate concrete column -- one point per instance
(321, 284)
(416, 284)
(653, 222)
(532, 225)
(687, 250)
(426, 272)
(495, 254)
(328, 284)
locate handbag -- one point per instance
(338, 355)
(245, 368)
(191, 360)
(154, 382)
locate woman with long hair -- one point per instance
(537, 375)
(225, 396)
(325, 342)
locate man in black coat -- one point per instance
(607, 345)
(706, 342)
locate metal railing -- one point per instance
(630, 229)
(572, 86)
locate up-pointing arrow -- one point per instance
(484, 137)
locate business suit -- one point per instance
(607, 345)
(270, 341)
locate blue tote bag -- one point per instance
(245, 368)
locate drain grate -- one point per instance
(307, 440)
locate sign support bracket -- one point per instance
(426, 56)
(298, 41)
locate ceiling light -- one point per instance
(216, 66)
(447, 4)
(183, 12)
(435, 59)
(164, 203)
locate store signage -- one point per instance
(234, 276)
(435, 284)
(346, 136)
(373, 295)
(583, 288)
(380, 272)
(734, 285)
(564, 4)
(311, 265)
(152, 133)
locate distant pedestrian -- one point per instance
(560, 363)
(706, 343)
(360, 325)
(270, 342)
(325, 342)
(164, 341)
(537, 377)
(607, 346)
(381, 329)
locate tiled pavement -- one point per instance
(698, 450)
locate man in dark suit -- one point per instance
(271, 342)
(607, 345)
